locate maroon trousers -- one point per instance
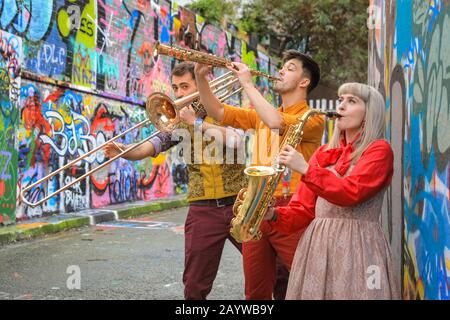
(206, 229)
(267, 260)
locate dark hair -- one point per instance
(310, 67)
(182, 68)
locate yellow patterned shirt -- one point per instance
(212, 174)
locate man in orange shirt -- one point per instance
(299, 75)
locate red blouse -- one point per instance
(371, 173)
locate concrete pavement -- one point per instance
(47, 225)
(129, 259)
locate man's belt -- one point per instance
(227, 201)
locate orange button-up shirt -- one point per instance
(267, 141)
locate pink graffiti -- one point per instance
(222, 44)
(125, 184)
(144, 5)
(163, 186)
(120, 36)
(107, 8)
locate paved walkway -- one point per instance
(56, 223)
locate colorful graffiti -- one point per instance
(410, 65)
(88, 68)
(61, 125)
(10, 66)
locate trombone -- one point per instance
(161, 110)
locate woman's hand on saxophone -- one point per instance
(293, 159)
(270, 214)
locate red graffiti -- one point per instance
(54, 96)
(102, 120)
(32, 116)
(127, 185)
(2, 189)
(99, 185)
(146, 53)
(32, 119)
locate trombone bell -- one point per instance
(162, 112)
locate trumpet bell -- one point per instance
(162, 111)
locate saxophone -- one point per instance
(253, 202)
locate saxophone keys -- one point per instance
(242, 193)
(236, 208)
(258, 236)
(272, 202)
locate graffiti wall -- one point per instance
(59, 125)
(87, 69)
(409, 63)
(10, 64)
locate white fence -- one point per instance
(324, 104)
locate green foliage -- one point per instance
(215, 11)
(334, 32)
(253, 20)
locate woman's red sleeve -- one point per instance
(300, 211)
(372, 172)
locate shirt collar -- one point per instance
(295, 108)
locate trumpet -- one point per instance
(201, 57)
(161, 110)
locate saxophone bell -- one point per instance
(244, 226)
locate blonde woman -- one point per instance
(343, 253)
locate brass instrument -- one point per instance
(201, 57)
(164, 112)
(253, 202)
(161, 111)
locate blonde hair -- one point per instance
(374, 120)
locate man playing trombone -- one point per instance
(212, 188)
(299, 75)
